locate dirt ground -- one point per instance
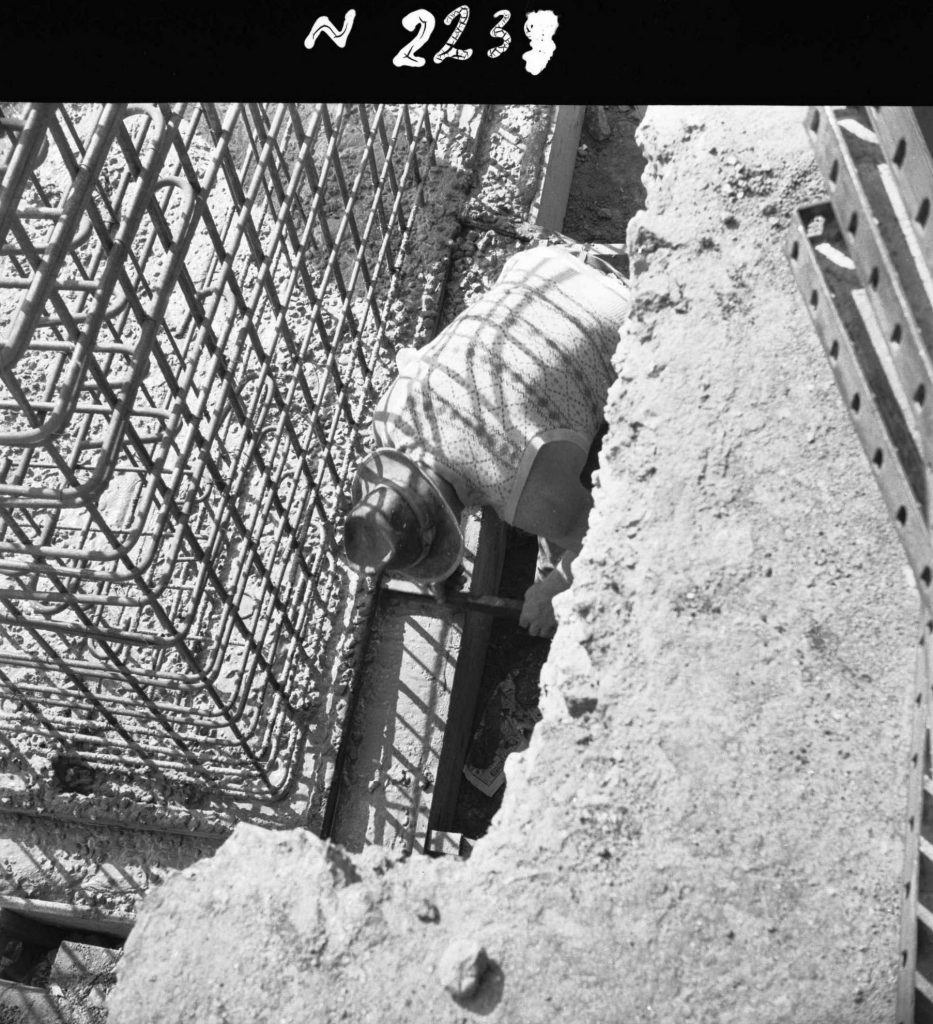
(708, 825)
(607, 189)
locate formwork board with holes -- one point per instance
(194, 302)
(863, 263)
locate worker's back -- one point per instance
(528, 362)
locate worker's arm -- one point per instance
(555, 505)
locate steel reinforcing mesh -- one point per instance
(192, 320)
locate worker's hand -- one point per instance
(537, 611)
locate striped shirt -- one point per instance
(527, 363)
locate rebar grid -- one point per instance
(193, 305)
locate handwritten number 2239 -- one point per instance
(422, 23)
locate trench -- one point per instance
(498, 665)
(605, 193)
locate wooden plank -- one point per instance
(487, 572)
(64, 915)
(899, 469)
(560, 156)
(924, 116)
(496, 607)
(907, 153)
(443, 844)
(926, 848)
(925, 917)
(80, 963)
(924, 987)
(394, 737)
(910, 878)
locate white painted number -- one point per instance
(423, 22)
(540, 27)
(449, 49)
(498, 32)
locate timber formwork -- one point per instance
(863, 262)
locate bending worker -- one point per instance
(500, 410)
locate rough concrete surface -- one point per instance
(708, 824)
